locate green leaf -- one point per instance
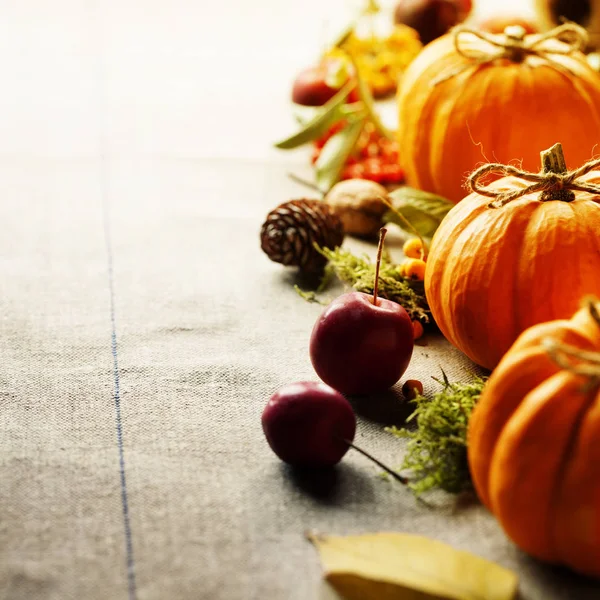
(364, 93)
(335, 153)
(318, 126)
(423, 210)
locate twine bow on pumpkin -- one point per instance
(554, 181)
(515, 45)
(575, 360)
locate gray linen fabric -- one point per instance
(206, 328)
(142, 330)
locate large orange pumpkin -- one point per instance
(458, 108)
(533, 442)
(492, 272)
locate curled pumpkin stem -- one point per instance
(553, 181)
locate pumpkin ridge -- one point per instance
(539, 233)
(519, 486)
(580, 86)
(526, 362)
(581, 232)
(415, 135)
(500, 281)
(583, 209)
(412, 100)
(430, 113)
(523, 91)
(579, 531)
(457, 220)
(443, 160)
(453, 287)
(492, 412)
(521, 257)
(532, 441)
(547, 235)
(563, 468)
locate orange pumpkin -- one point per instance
(533, 446)
(493, 271)
(472, 96)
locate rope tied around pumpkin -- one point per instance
(515, 46)
(554, 181)
(575, 360)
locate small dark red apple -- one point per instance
(358, 347)
(362, 344)
(311, 87)
(309, 424)
(430, 18)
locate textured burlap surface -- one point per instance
(206, 328)
(142, 330)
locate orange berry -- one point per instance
(413, 248)
(412, 388)
(414, 268)
(417, 329)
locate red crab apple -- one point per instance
(361, 343)
(311, 87)
(309, 424)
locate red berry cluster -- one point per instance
(375, 157)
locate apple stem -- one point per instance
(387, 469)
(382, 233)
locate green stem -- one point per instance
(365, 95)
(308, 184)
(408, 224)
(387, 469)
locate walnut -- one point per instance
(359, 204)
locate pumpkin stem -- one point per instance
(553, 159)
(575, 360)
(553, 162)
(515, 49)
(585, 363)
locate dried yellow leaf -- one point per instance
(398, 566)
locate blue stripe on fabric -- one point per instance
(131, 583)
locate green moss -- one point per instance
(359, 273)
(436, 452)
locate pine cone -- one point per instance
(290, 231)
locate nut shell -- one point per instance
(359, 204)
